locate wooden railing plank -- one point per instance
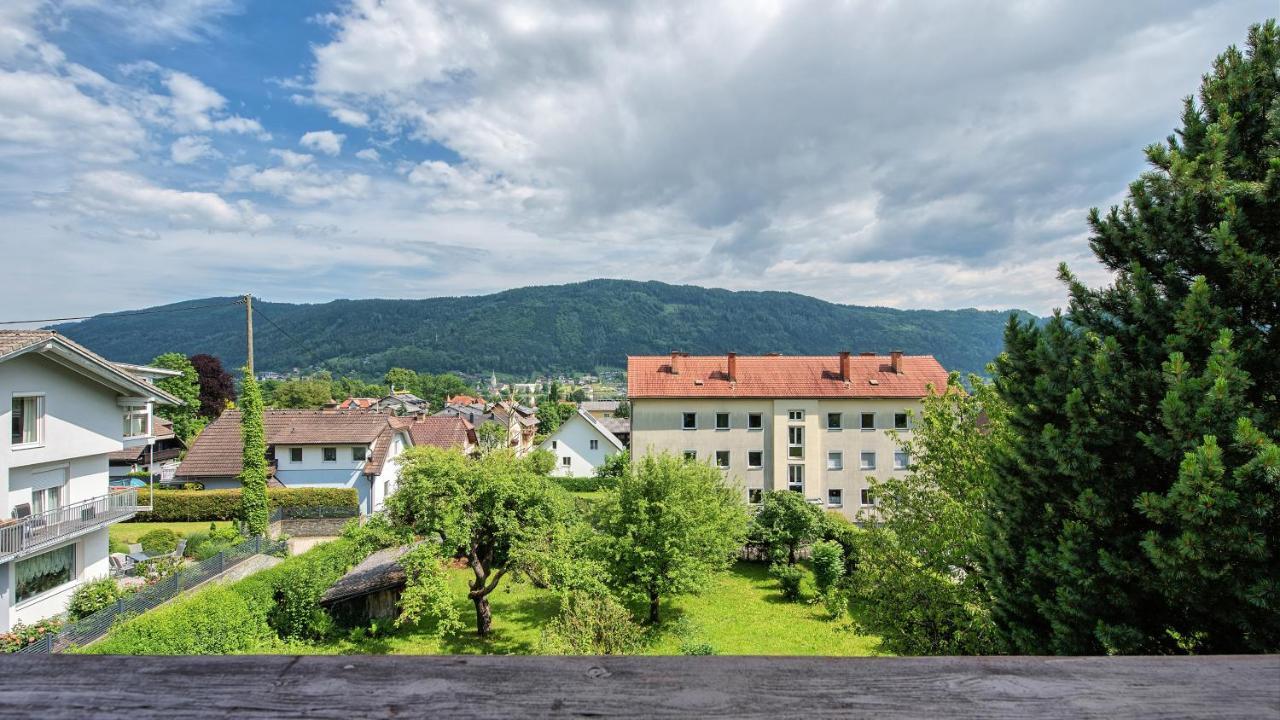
(739, 687)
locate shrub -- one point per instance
(376, 533)
(696, 647)
(204, 545)
(188, 505)
(613, 468)
(691, 640)
(22, 635)
(789, 578)
(828, 565)
(541, 462)
(583, 484)
(288, 593)
(838, 529)
(159, 541)
(115, 545)
(92, 596)
(591, 623)
(216, 621)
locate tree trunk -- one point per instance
(484, 616)
(791, 554)
(653, 607)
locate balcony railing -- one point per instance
(24, 536)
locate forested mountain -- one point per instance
(576, 327)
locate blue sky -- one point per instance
(863, 152)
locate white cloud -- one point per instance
(347, 116)
(197, 107)
(292, 159)
(369, 154)
(158, 20)
(325, 141)
(127, 197)
(299, 181)
(190, 148)
(47, 113)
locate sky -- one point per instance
(872, 152)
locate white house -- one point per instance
(67, 410)
(581, 445)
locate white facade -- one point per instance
(580, 445)
(53, 469)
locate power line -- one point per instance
(119, 314)
(276, 325)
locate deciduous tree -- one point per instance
(217, 387)
(253, 475)
(186, 418)
(786, 522)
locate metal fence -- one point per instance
(88, 629)
(34, 532)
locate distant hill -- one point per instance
(557, 328)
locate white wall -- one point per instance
(385, 484)
(573, 440)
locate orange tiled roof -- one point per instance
(217, 451)
(442, 431)
(776, 376)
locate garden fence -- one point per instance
(88, 629)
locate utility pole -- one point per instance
(248, 324)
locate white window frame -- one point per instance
(691, 455)
(862, 460)
(728, 456)
(794, 470)
(39, 424)
(759, 496)
(325, 451)
(76, 572)
(554, 444)
(566, 461)
(901, 461)
(300, 454)
(758, 465)
(838, 457)
(136, 411)
(757, 418)
(47, 499)
(839, 502)
(364, 454)
(906, 421)
(862, 420)
(684, 417)
(839, 421)
(595, 444)
(724, 415)
(795, 416)
(795, 449)
(867, 499)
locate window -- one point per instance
(690, 454)
(868, 460)
(46, 500)
(722, 459)
(595, 444)
(833, 421)
(359, 453)
(755, 459)
(690, 421)
(28, 420)
(295, 454)
(795, 478)
(900, 461)
(754, 421)
(566, 461)
(795, 442)
(722, 421)
(44, 572)
(795, 415)
(869, 421)
(755, 496)
(553, 444)
(835, 461)
(900, 421)
(867, 499)
(329, 454)
(135, 421)
(835, 496)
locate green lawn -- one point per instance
(129, 532)
(741, 614)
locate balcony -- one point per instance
(24, 536)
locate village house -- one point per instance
(581, 444)
(521, 421)
(820, 426)
(600, 409)
(158, 459)
(67, 410)
(402, 403)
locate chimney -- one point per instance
(733, 366)
(895, 361)
(845, 373)
(675, 365)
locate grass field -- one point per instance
(129, 532)
(741, 614)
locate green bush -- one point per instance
(789, 578)
(289, 592)
(216, 621)
(189, 505)
(115, 545)
(839, 529)
(584, 484)
(696, 647)
(22, 635)
(828, 565)
(159, 541)
(540, 461)
(204, 545)
(92, 596)
(591, 623)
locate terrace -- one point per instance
(33, 533)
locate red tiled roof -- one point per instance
(363, 403)
(775, 376)
(442, 431)
(464, 400)
(218, 449)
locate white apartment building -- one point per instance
(820, 426)
(66, 410)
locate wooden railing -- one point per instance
(78, 686)
(30, 534)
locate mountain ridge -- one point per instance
(575, 327)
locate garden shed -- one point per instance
(370, 591)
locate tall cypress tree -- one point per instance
(253, 476)
(1136, 507)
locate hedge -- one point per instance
(260, 613)
(585, 484)
(192, 505)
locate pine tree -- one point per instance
(253, 476)
(1135, 508)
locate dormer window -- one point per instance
(136, 421)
